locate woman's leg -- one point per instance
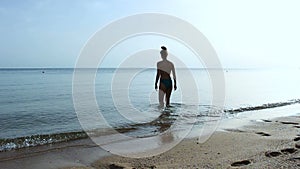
(168, 95)
(161, 95)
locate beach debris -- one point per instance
(297, 126)
(272, 153)
(297, 146)
(268, 121)
(241, 163)
(288, 150)
(262, 134)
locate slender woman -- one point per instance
(164, 69)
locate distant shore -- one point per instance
(267, 143)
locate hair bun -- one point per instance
(163, 48)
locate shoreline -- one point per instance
(251, 146)
(232, 119)
(266, 144)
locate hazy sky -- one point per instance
(245, 33)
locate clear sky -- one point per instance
(245, 33)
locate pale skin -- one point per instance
(164, 69)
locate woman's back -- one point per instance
(165, 68)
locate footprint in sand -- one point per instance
(114, 166)
(235, 130)
(240, 163)
(262, 134)
(297, 139)
(277, 153)
(288, 122)
(288, 150)
(272, 153)
(296, 159)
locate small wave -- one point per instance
(264, 106)
(35, 140)
(160, 124)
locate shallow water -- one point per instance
(40, 105)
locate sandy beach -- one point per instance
(266, 144)
(261, 144)
(95, 84)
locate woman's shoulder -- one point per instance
(171, 63)
(165, 62)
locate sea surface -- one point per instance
(37, 107)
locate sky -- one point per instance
(244, 33)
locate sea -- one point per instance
(37, 104)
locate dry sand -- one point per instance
(265, 144)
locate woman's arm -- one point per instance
(174, 76)
(157, 78)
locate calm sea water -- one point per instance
(37, 108)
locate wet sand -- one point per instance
(265, 144)
(268, 143)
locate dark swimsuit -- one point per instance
(167, 83)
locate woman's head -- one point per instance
(163, 52)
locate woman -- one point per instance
(164, 69)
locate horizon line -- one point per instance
(226, 68)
